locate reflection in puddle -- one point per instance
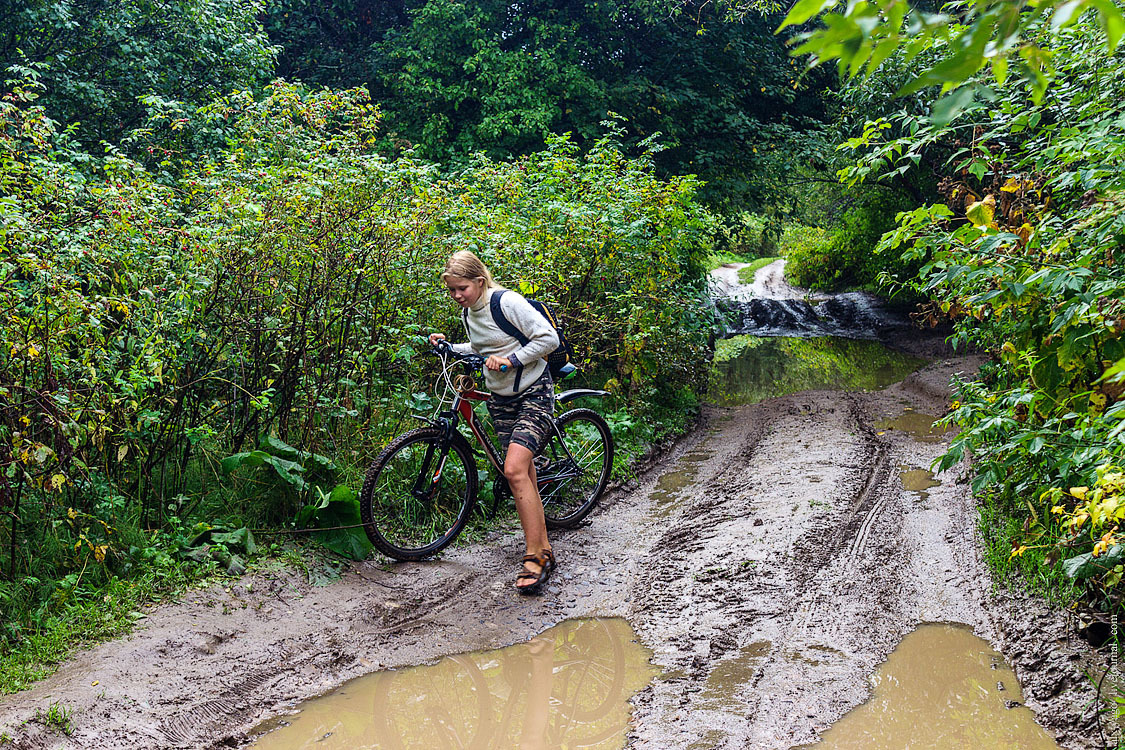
(941, 688)
(920, 426)
(567, 687)
(749, 369)
(666, 494)
(917, 480)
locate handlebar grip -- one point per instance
(503, 368)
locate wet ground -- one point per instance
(769, 562)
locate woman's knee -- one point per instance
(517, 464)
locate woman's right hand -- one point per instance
(436, 337)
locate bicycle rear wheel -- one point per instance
(418, 494)
(573, 468)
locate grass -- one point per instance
(57, 718)
(717, 259)
(746, 273)
(1001, 533)
(85, 616)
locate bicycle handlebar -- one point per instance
(444, 349)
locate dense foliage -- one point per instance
(273, 297)
(104, 62)
(1022, 248)
(455, 78)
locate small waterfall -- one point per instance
(854, 315)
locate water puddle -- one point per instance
(749, 369)
(732, 673)
(942, 688)
(919, 426)
(666, 495)
(917, 480)
(568, 687)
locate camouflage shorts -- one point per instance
(527, 417)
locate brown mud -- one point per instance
(771, 560)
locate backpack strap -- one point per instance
(502, 321)
(509, 328)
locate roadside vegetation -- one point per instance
(216, 281)
(221, 232)
(1005, 190)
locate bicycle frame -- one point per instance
(462, 408)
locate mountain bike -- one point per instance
(421, 490)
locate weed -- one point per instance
(746, 273)
(57, 717)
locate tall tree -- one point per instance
(99, 57)
(497, 76)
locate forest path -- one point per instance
(770, 559)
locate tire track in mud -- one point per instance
(771, 560)
(743, 573)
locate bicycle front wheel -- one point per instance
(418, 494)
(573, 469)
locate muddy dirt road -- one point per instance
(771, 559)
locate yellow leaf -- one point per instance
(982, 213)
(122, 451)
(57, 482)
(1011, 186)
(32, 352)
(1079, 492)
(99, 552)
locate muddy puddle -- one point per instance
(749, 369)
(919, 426)
(918, 481)
(567, 687)
(942, 688)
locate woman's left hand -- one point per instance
(497, 363)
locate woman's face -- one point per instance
(465, 291)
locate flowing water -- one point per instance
(568, 687)
(771, 307)
(943, 688)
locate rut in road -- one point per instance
(788, 575)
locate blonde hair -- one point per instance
(464, 264)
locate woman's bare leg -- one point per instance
(519, 468)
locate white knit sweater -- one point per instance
(487, 339)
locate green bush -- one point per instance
(745, 236)
(155, 326)
(847, 257)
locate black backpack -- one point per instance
(559, 361)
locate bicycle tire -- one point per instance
(580, 435)
(405, 715)
(400, 523)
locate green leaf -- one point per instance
(341, 509)
(1113, 23)
(1067, 13)
(242, 539)
(1115, 373)
(1087, 566)
(804, 10)
(947, 108)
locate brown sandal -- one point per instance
(546, 562)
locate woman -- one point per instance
(522, 402)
